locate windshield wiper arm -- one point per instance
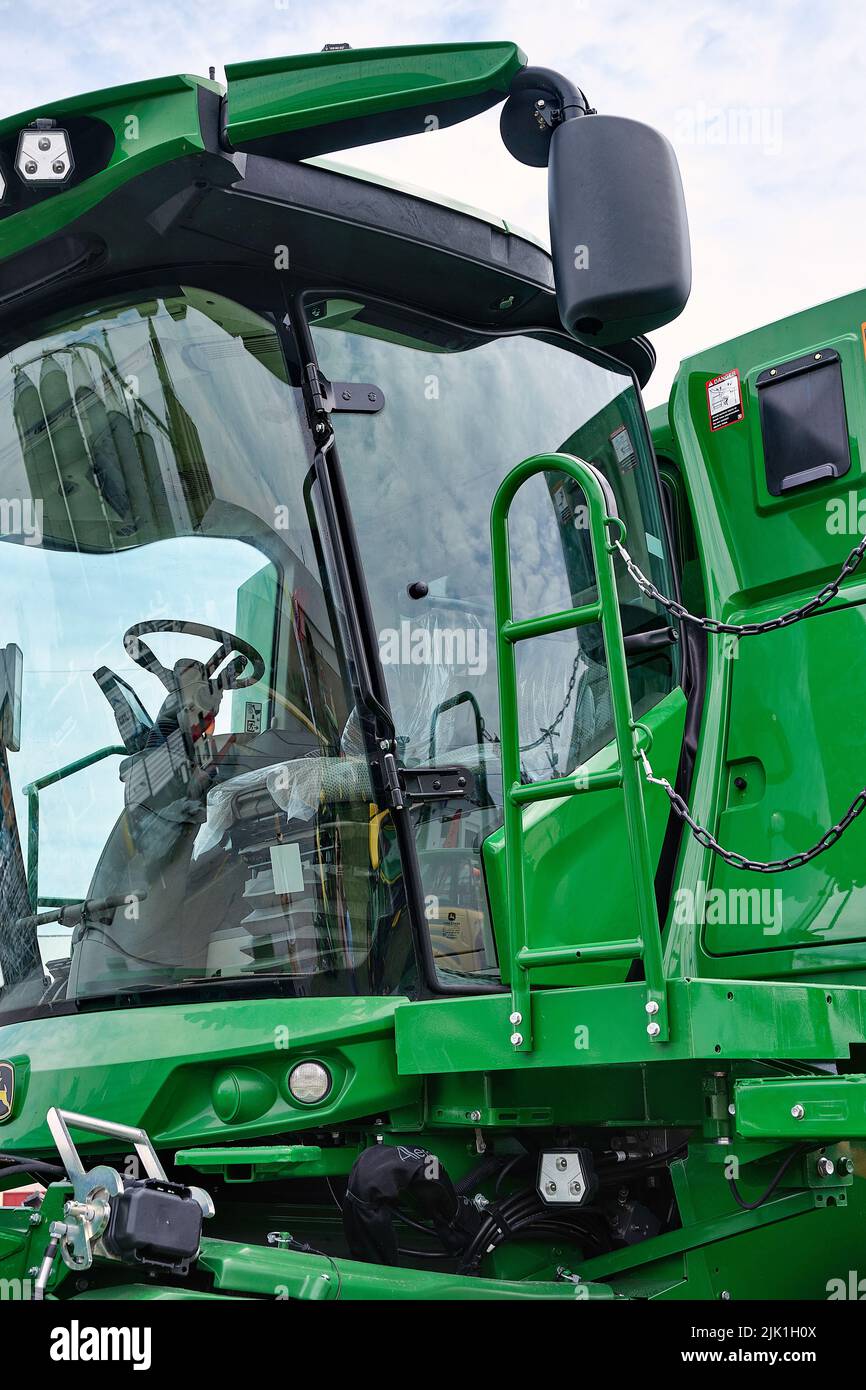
(73, 914)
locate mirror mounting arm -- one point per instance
(539, 100)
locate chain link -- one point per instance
(547, 734)
(743, 629)
(739, 861)
(678, 805)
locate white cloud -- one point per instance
(774, 225)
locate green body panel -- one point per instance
(202, 1062)
(783, 1108)
(793, 1247)
(775, 714)
(165, 126)
(285, 1274)
(266, 1161)
(604, 1024)
(276, 95)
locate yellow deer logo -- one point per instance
(7, 1089)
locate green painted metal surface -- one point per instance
(604, 1024)
(203, 1072)
(780, 755)
(151, 123)
(237, 1163)
(275, 95)
(801, 1108)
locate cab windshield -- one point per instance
(461, 410)
(192, 775)
(212, 648)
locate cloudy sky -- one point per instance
(765, 104)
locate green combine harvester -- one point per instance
(431, 865)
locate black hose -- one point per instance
(490, 1165)
(639, 1165)
(780, 1173)
(523, 1213)
(34, 1166)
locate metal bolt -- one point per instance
(384, 745)
(515, 1017)
(44, 143)
(797, 1111)
(59, 167)
(652, 1006)
(347, 395)
(825, 1167)
(475, 1115)
(724, 1294)
(576, 1188)
(732, 1109)
(562, 1163)
(30, 167)
(845, 1165)
(818, 356)
(516, 1039)
(479, 1201)
(371, 397)
(550, 1188)
(540, 104)
(653, 1029)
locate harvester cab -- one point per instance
(353, 706)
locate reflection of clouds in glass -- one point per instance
(68, 613)
(217, 471)
(421, 477)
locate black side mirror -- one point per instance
(618, 228)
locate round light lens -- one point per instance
(309, 1082)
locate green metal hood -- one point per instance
(208, 1072)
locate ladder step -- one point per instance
(569, 955)
(572, 785)
(551, 622)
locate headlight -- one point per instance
(44, 155)
(309, 1082)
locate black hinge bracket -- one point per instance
(417, 785)
(330, 397)
(360, 397)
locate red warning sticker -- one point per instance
(725, 400)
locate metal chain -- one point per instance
(744, 629)
(739, 861)
(547, 734)
(703, 836)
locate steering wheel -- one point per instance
(217, 678)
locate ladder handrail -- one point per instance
(602, 514)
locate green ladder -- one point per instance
(646, 944)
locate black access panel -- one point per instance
(803, 422)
